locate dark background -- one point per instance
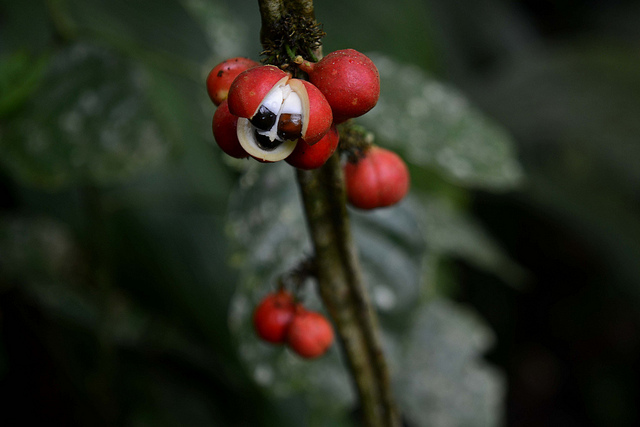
(569, 344)
(563, 77)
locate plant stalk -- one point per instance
(343, 292)
(338, 270)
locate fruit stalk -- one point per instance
(337, 266)
(273, 11)
(343, 292)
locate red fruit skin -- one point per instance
(308, 157)
(348, 79)
(320, 114)
(273, 316)
(379, 179)
(310, 334)
(222, 75)
(250, 87)
(224, 131)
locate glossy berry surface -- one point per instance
(308, 157)
(222, 75)
(348, 79)
(275, 111)
(379, 179)
(318, 116)
(224, 132)
(249, 89)
(273, 316)
(310, 334)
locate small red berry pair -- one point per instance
(279, 319)
(379, 179)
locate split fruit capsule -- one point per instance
(275, 111)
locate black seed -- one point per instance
(290, 126)
(264, 119)
(265, 143)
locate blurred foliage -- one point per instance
(83, 127)
(562, 77)
(436, 128)
(433, 347)
(132, 251)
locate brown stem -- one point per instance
(271, 12)
(337, 266)
(343, 292)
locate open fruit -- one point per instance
(275, 111)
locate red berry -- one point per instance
(273, 316)
(379, 179)
(225, 133)
(249, 89)
(310, 334)
(348, 79)
(222, 75)
(275, 111)
(308, 157)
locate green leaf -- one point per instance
(579, 96)
(144, 27)
(267, 224)
(20, 75)
(265, 220)
(435, 127)
(91, 122)
(439, 375)
(26, 26)
(434, 347)
(175, 35)
(391, 247)
(454, 233)
(226, 35)
(37, 248)
(574, 111)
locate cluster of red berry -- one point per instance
(280, 319)
(265, 113)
